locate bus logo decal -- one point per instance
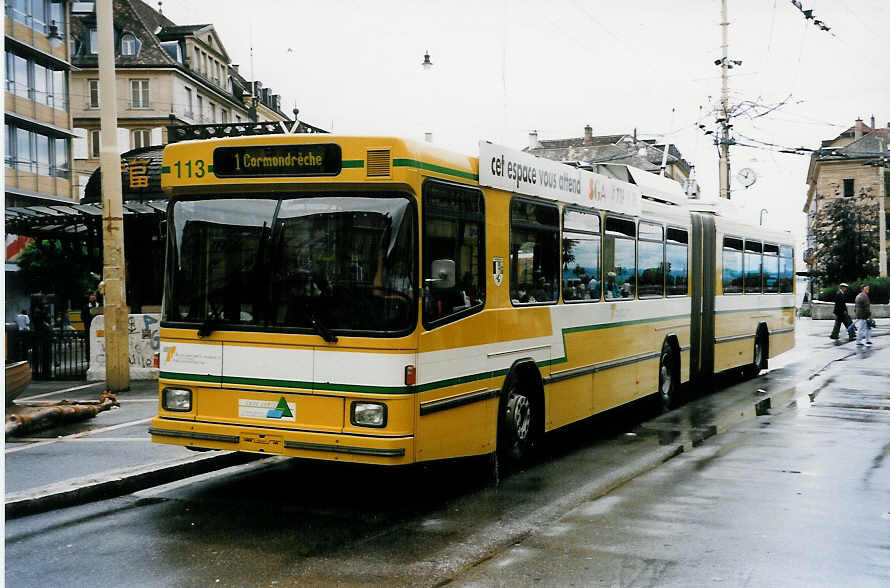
(497, 270)
(267, 409)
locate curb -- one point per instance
(118, 482)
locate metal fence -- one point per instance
(54, 355)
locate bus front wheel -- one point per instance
(517, 426)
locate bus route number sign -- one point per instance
(277, 160)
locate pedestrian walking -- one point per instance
(23, 321)
(841, 316)
(863, 313)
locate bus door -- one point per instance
(703, 269)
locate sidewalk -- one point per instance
(112, 453)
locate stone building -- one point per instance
(597, 152)
(851, 165)
(167, 74)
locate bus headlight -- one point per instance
(177, 399)
(368, 414)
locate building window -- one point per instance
(139, 94)
(60, 89)
(188, 102)
(25, 149)
(95, 144)
(17, 75)
(129, 45)
(223, 116)
(200, 114)
(10, 146)
(849, 186)
(93, 86)
(141, 138)
(94, 42)
(61, 167)
(212, 112)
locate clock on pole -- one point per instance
(746, 177)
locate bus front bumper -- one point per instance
(370, 449)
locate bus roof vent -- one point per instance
(378, 163)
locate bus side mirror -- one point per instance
(443, 275)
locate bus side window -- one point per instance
(619, 259)
(581, 280)
(453, 231)
(650, 265)
(753, 267)
(732, 265)
(770, 268)
(786, 269)
(534, 252)
(677, 256)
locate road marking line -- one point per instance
(77, 435)
(229, 471)
(61, 391)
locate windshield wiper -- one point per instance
(322, 330)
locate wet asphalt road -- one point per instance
(794, 498)
(797, 497)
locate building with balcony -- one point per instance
(166, 74)
(37, 113)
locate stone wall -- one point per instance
(823, 310)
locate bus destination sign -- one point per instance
(256, 161)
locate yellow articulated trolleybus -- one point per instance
(378, 300)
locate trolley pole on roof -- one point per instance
(117, 366)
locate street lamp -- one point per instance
(55, 39)
(427, 66)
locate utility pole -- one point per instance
(724, 105)
(882, 219)
(117, 366)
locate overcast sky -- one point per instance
(503, 68)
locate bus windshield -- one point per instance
(294, 263)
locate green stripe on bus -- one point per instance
(760, 309)
(352, 163)
(465, 379)
(435, 168)
(165, 169)
(210, 168)
(288, 384)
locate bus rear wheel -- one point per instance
(517, 437)
(760, 352)
(668, 379)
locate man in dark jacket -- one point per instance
(840, 313)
